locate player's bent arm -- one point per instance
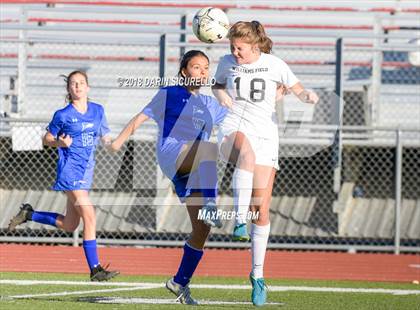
(303, 94)
(128, 130)
(221, 95)
(62, 141)
(49, 140)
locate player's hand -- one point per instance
(64, 141)
(107, 143)
(115, 146)
(226, 101)
(308, 96)
(281, 92)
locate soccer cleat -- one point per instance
(24, 214)
(211, 217)
(99, 274)
(240, 233)
(182, 293)
(259, 291)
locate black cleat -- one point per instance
(24, 214)
(100, 274)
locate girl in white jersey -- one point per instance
(248, 81)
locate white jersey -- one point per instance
(253, 90)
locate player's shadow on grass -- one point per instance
(93, 299)
(109, 300)
(171, 302)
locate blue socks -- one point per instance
(188, 265)
(47, 218)
(91, 253)
(89, 246)
(207, 171)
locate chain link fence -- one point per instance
(48, 62)
(135, 203)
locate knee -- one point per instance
(261, 220)
(259, 216)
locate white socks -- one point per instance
(259, 239)
(242, 192)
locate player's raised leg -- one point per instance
(27, 213)
(201, 156)
(71, 220)
(238, 150)
(68, 222)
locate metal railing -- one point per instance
(355, 158)
(136, 205)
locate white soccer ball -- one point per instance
(414, 56)
(210, 25)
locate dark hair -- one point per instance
(67, 80)
(187, 57)
(252, 33)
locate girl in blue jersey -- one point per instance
(185, 119)
(75, 130)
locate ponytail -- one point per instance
(265, 44)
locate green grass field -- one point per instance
(225, 293)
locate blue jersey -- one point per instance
(181, 117)
(75, 163)
(184, 116)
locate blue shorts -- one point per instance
(167, 154)
(74, 175)
(185, 184)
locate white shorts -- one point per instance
(266, 150)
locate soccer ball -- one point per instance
(210, 25)
(414, 56)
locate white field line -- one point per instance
(86, 283)
(164, 301)
(273, 288)
(83, 292)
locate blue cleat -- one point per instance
(240, 233)
(259, 291)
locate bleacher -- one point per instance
(121, 39)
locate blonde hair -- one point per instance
(252, 33)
